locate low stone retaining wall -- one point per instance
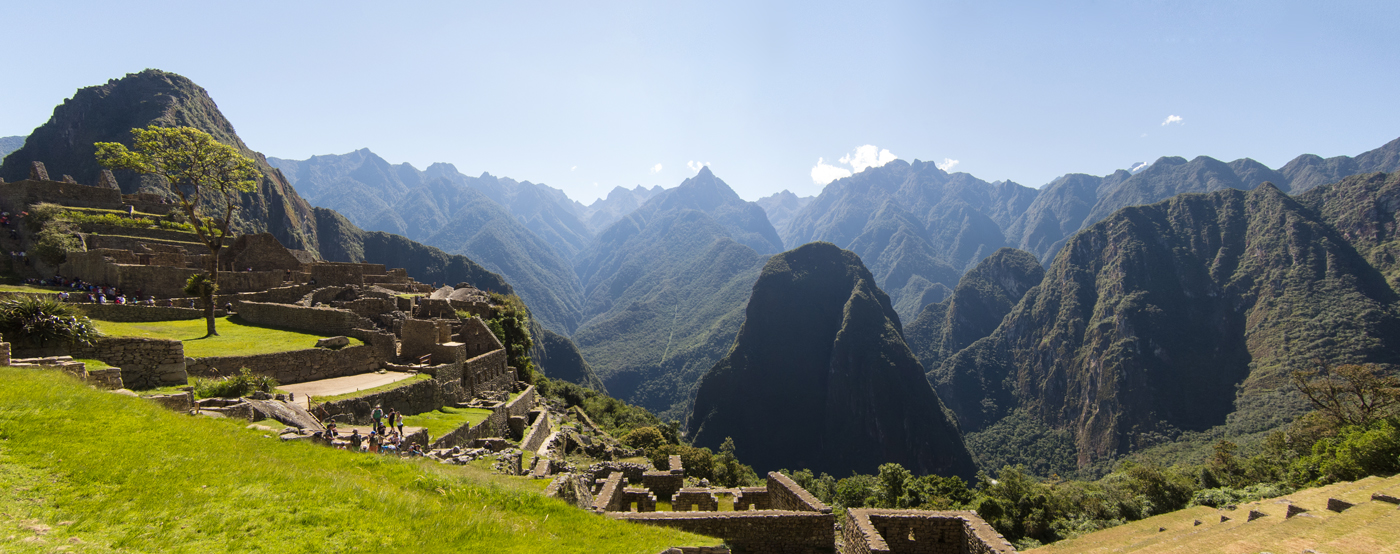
(785, 494)
(144, 363)
(767, 532)
(538, 432)
(329, 321)
(138, 313)
(874, 531)
(413, 399)
(494, 425)
(296, 366)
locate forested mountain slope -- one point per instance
(1185, 315)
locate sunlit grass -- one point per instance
(236, 337)
(143, 479)
(381, 388)
(443, 420)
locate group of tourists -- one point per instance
(386, 436)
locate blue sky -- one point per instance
(587, 96)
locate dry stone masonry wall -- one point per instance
(873, 531)
(328, 321)
(296, 366)
(144, 363)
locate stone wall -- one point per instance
(494, 425)
(144, 363)
(296, 366)
(413, 399)
(29, 191)
(873, 531)
(140, 313)
(766, 532)
(784, 494)
(694, 499)
(751, 498)
(106, 267)
(328, 321)
(249, 281)
(488, 372)
(610, 497)
(538, 432)
(260, 251)
(478, 337)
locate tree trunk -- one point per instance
(209, 294)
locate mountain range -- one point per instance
(108, 112)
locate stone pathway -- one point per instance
(342, 385)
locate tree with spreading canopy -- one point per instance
(206, 175)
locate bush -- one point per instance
(39, 320)
(233, 386)
(645, 438)
(53, 244)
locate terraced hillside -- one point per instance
(1369, 526)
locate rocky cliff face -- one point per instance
(1180, 316)
(819, 377)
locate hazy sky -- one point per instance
(585, 96)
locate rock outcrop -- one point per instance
(820, 377)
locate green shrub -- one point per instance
(645, 438)
(41, 320)
(1227, 496)
(233, 386)
(54, 242)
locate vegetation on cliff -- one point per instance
(1170, 325)
(820, 377)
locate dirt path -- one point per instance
(342, 385)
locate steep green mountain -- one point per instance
(1076, 201)
(107, 113)
(974, 310)
(619, 202)
(559, 358)
(781, 206)
(1185, 315)
(10, 144)
(916, 227)
(819, 377)
(1363, 210)
(665, 288)
(525, 232)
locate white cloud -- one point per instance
(947, 165)
(824, 173)
(1138, 167)
(656, 168)
(868, 156)
(694, 166)
(573, 168)
(1172, 119)
(863, 157)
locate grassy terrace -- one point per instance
(236, 337)
(174, 483)
(445, 419)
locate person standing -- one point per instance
(377, 415)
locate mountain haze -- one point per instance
(819, 377)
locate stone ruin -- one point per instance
(779, 517)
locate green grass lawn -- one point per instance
(236, 338)
(381, 388)
(443, 420)
(140, 478)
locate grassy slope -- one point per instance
(142, 479)
(236, 337)
(1368, 527)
